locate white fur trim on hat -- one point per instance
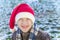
(15, 28)
(25, 15)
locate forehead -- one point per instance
(22, 19)
(25, 19)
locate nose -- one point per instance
(24, 22)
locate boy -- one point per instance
(23, 16)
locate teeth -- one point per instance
(24, 26)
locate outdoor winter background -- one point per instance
(47, 14)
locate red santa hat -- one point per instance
(21, 11)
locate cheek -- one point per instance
(30, 24)
(19, 24)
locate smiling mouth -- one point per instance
(24, 27)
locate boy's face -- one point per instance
(24, 24)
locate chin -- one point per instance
(25, 31)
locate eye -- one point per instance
(21, 19)
(28, 19)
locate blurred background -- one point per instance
(47, 14)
